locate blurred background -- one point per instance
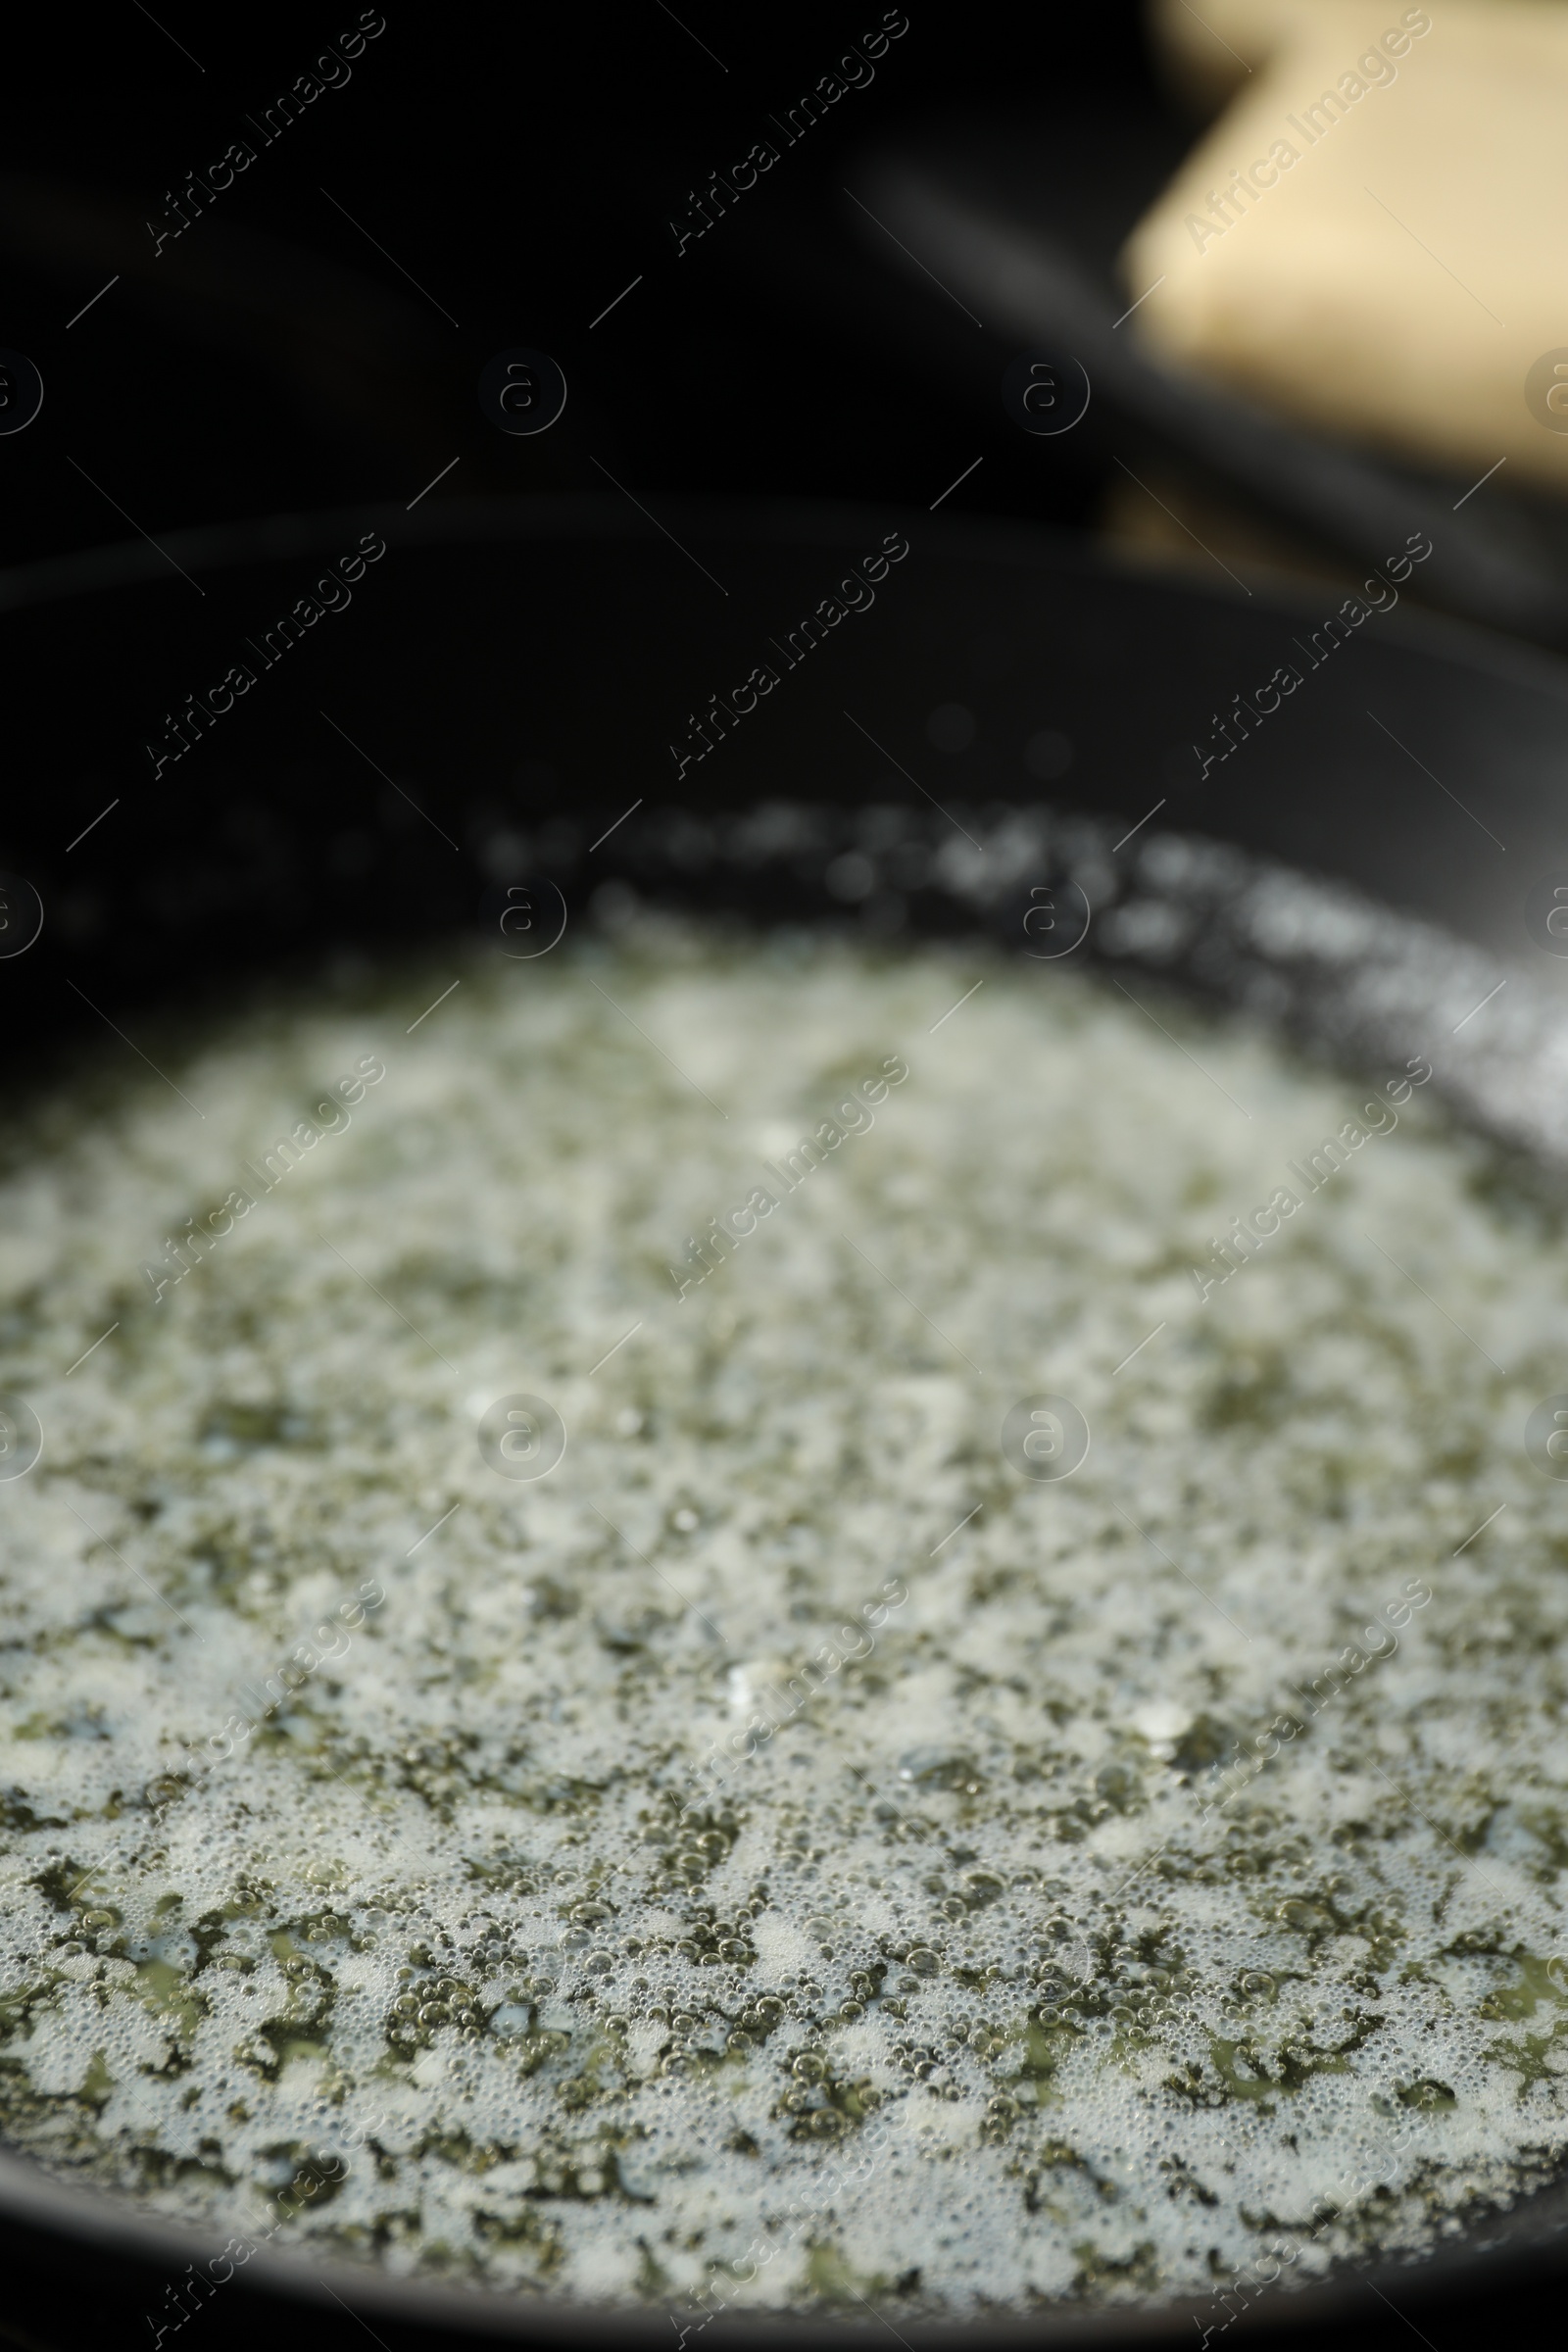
(1260, 296)
(523, 168)
(1324, 344)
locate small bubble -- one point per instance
(850, 878)
(614, 906)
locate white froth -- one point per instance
(985, 1977)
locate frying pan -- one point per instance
(508, 679)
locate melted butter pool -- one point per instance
(790, 1851)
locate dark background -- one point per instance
(522, 167)
(509, 175)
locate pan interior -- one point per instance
(777, 1614)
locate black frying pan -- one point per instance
(508, 680)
